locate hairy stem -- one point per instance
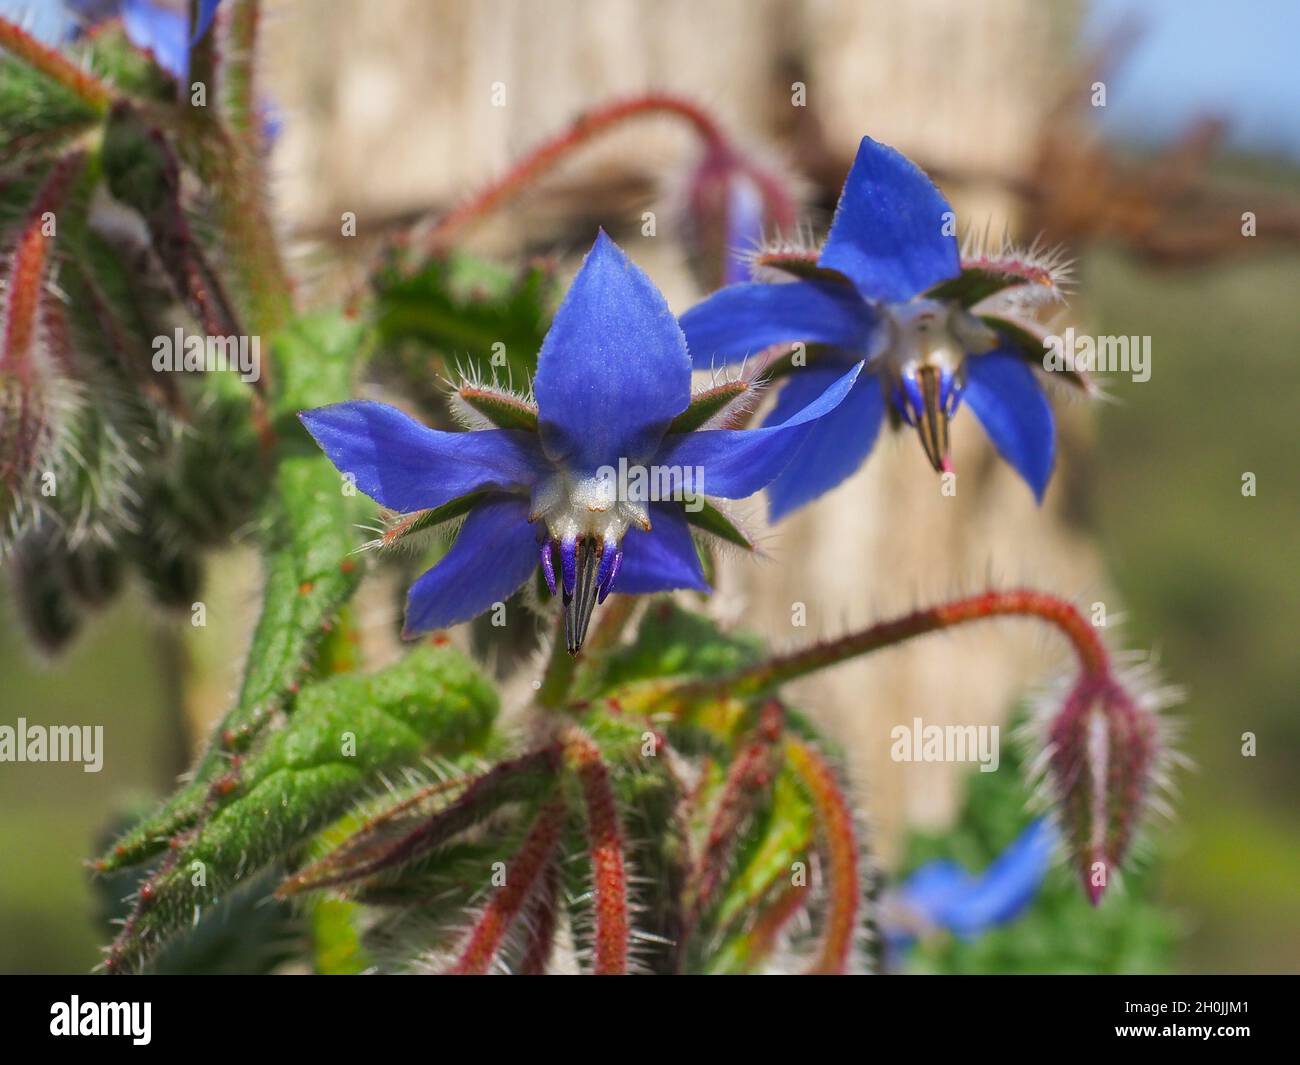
(543, 917)
(840, 850)
(606, 842)
(55, 66)
(238, 82)
(526, 868)
(1028, 603)
(545, 156)
(748, 778)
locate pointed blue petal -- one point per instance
(663, 558)
(746, 211)
(734, 463)
(837, 444)
(1002, 391)
(408, 466)
(494, 553)
(892, 228)
(744, 319)
(161, 30)
(207, 12)
(613, 370)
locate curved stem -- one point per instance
(1023, 602)
(835, 826)
(542, 158)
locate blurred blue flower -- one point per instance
(613, 373)
(155, 26)
(941, 895)
(865, 297)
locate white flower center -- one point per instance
(575, 508)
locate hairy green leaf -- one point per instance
(310, 571)
(344, 733)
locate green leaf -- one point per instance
(710, 518)
(462, 309)
(672, 641)
(310, 570)
(400, 834)
(37, 114)
(343, 734)
(777, 839)
(336, 942)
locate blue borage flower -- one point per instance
(941, 895)
(613, 374)
(889, 287)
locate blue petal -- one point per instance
(207, 12)
(613, 370)
(934, 887)
(1008, 885)
(744, 319)
(51, 24)
(161, 30)
(892, 233)
(734, 463)
(946, 896)
(407, 466)
(494, 553)
(837, 444)
(663, 558)
(1003, 393)
(745, 214)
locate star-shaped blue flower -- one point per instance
(885, 288)
(613, 374)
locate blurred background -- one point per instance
(387, 109)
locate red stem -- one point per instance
(522, 875)
(54, 65)
(769, 924)
(748, 778)
(543, 918)
(551, 151)
(28, 267)
(841, 855)
(606, 841)
(1087, 645)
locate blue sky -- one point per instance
(1236, 58)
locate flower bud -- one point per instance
(1103, 767)
(729, 204)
